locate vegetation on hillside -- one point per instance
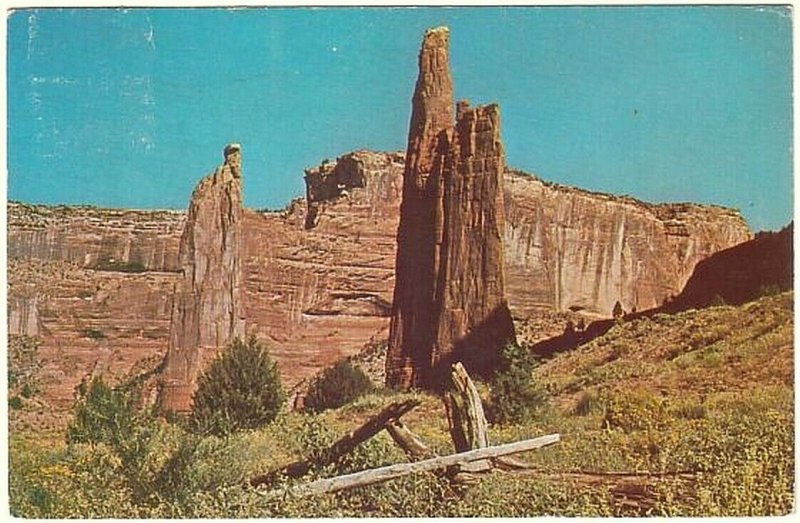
(337, 386)
(673, 415)
(241, 389)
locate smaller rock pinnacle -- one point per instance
(233, 158)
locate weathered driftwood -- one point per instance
(466, 418)
(511, 463)
(343, 446)
(465, 415)
(378, 475)
(414, 448)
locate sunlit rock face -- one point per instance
(207, 310)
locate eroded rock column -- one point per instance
(421, 215)
(449, 299)
(474, 321)
(207, 311)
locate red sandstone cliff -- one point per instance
(96, 238)
(306, 290)
(207, 310)
(576, 250)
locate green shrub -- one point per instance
(27, 391)
(101, 415)
(515, 396)
(15, 402)
(136, 442)
(240, 390)
(337, 386)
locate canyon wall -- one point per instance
(581, 251)
(317, 295)
(91, 237)
(111, 322)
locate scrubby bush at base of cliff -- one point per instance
(515, 396)
(241, 389)
(101, 415)
(337, 386)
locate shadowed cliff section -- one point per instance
(763, 265)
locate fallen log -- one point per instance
(378, 475)
(342, 446)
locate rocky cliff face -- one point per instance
(114, 322)
(105, 239)
(307, 292)
(207, 308)
(449, 301)
(579, 251)
(318, 295)
(332, 181)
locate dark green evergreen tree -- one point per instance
(241, 389)
(337, 386)
(515, 396)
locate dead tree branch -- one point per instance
(343, 446)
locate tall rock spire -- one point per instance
(419, 233)
(474, 321)
(431, 109)
(207, 309)
(449, 298)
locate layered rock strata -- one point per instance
(331, 181)
(449, 298)
(579, 251)
(318, 295)
(105, 239)
(208, 309)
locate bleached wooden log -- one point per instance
(378, 475)
(413, 447)
(343, 445)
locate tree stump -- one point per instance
(466, 419)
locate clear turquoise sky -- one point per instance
(130, 108)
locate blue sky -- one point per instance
(130, 108)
